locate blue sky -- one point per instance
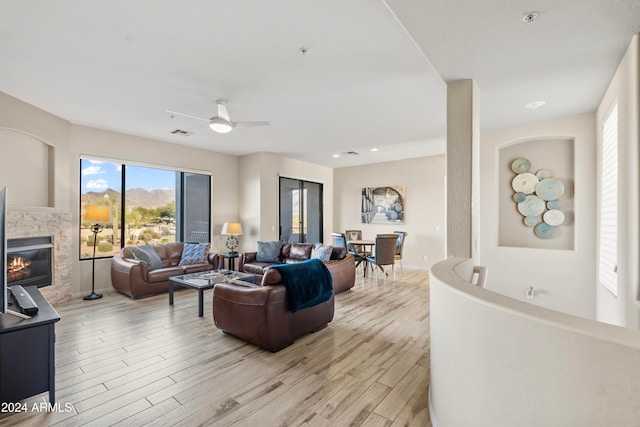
(98, 176)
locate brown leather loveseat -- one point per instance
(259, 313)
(341, 264)
(134, 278)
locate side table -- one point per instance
(231, 256)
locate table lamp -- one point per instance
(232, 229)
(96, 214)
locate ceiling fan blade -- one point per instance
(251, 124)
(222, 110)
(186, 115)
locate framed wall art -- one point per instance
(383, 205)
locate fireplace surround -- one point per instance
(27, 222)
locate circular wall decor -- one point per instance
(553, 204)
(520, 165)
(543, 174)
(531, 221)
(544, 230)
(519, 197)
(532, 206)
(525, 183)
(553, 217)
(536, 196)
(550, 189)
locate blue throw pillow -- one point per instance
(322, 252)
(268, 252)
(148, 255)
(194, 253)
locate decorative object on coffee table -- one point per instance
(96, 214)
(232, 229)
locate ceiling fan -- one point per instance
(221, 123)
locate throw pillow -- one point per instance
(268, 252)
(322, 252)
(194, 253)
(148, 255)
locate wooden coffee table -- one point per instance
(204, 280)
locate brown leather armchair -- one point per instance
(259, 313)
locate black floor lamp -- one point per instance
(97, 214)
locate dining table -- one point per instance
(367, 246)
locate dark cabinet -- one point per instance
(27, 352)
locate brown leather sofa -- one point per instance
(259, 313)
(341, 265)
(132, 277)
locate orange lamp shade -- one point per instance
(98, 213)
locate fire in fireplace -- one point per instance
(30, 261)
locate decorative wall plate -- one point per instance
(520, 165)
(544, 230)
(553, 204)
(519, 197)
(531, 221)
(532, 206)
(550, 189)
(525, 183)
(543, 174)
(553, 217)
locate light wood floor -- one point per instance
(141, 362)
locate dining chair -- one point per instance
(399, 246)
(384, 253)
(339, 240)
(355, 235)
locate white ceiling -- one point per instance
(364, 82)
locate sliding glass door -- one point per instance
(300, 211)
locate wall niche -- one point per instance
(26, 169)
(552, 157)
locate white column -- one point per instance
(463, 139)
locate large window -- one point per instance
(608, 232)
(157, 206)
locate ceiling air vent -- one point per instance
(181, 132)
(350, 153)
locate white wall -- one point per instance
(260, 210)
(624, 88)
(424, 179)
(71, 141)
(564, 279)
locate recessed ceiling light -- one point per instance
(374, 149)
(530, 17)
(535, 105)
(336, 155)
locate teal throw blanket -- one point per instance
(308, 283)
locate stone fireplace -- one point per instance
(30, 226)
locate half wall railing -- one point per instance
(497, 361)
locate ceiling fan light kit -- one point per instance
(220, 125)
